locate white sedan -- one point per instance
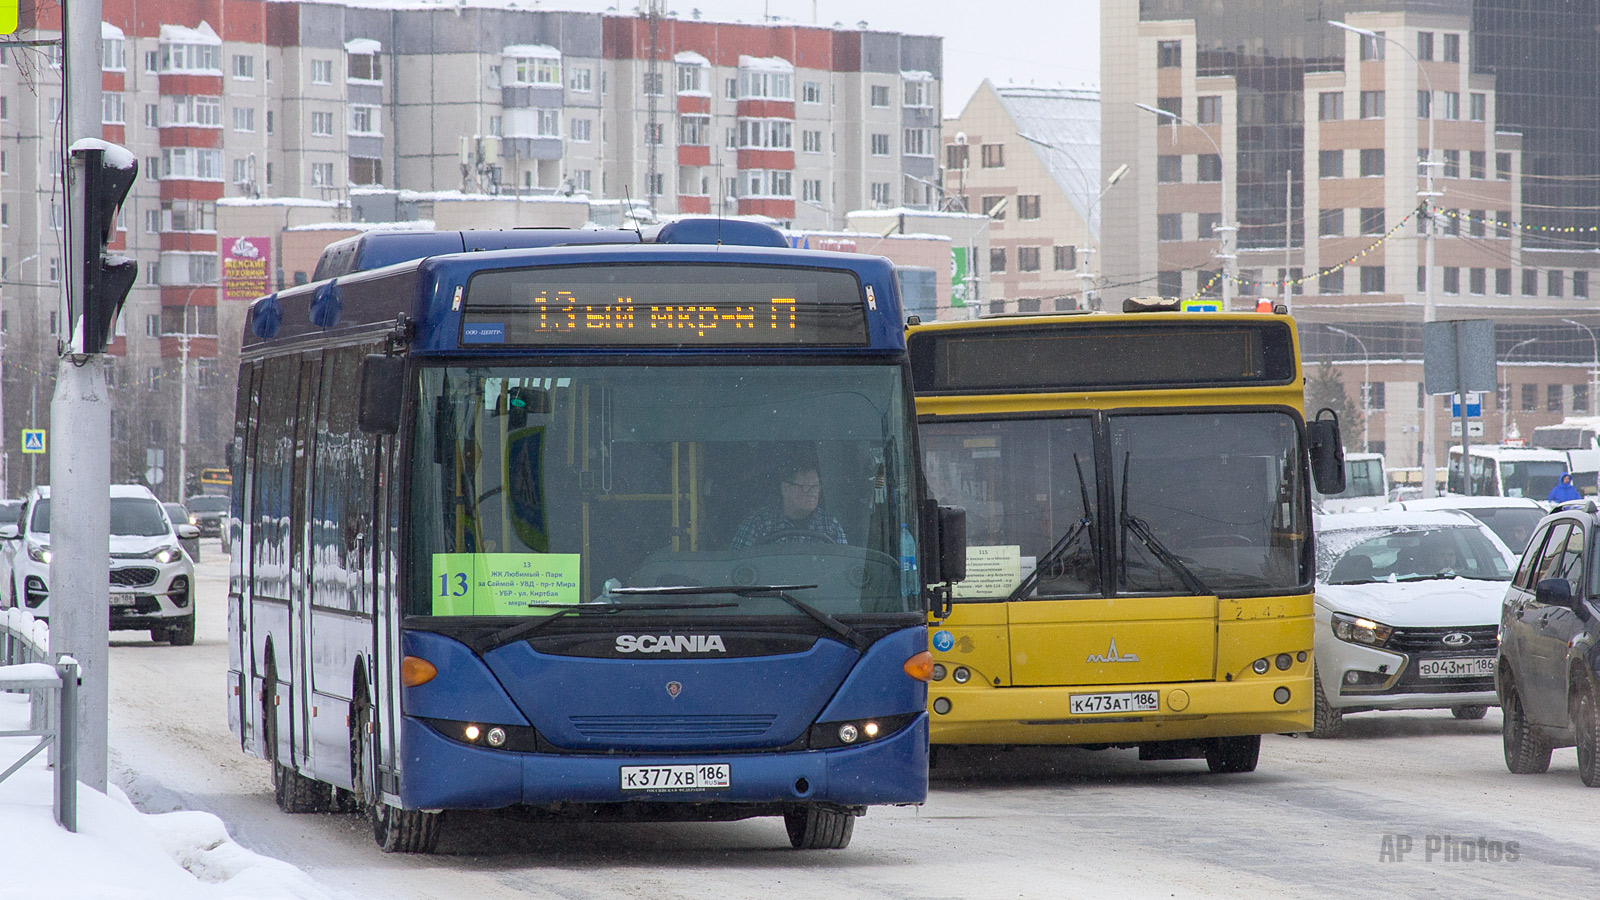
(1407, 607)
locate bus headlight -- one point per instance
(826, 735)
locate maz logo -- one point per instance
(1112, 656)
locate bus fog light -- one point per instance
(1281, 695)
(1284, 661)
(472, 732)
(961, 675)
(938, 671)
(1261, 666)
(497, 737)
(941, 705)
(847, 733)
(870, 729)
(1300, 657)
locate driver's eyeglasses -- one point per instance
(805, 488)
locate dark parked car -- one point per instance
(10, 511)
(1548, 670)
(181, 516)
(209, 511)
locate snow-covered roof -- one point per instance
(278, 201)
(1530, 454)
(362, 46)
(411, 225)
(1391, 518)
(690, 58)
(177, 34)
(766, 64)
(907, 211)
(1065, 126)
(110, 32)
(915, 75)
(116, 155)
(534, 51)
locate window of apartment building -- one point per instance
(881, 195)
(111, 109)
(1208, 110)
(1530, 398)
(1372, 47)
(1331, 282)
(322, 174)
(191, 162)
(152, 325)
(1580, 284)
(693, 131)
(880, 95)
(1209, 223)
(880, 145)
(1452, 163)
(1552, 398)
(811, 92)
(578, 79)
(1169, 169)
(653, 84)
(1477, 164)
(1372, 104)
(364, 171)
(369, 67)
(1372, 279)
(1478, 281)
(811, 141)
(241, 171)
(269, 121)
(244, 118)
(1173, 106)
(1066, 257)
(1330, 163)
(1424, 45)
(1530, 282)
(1502, 282)
(692, 78)
(1330, 106)
(918, 142)
(152, 273)
(1580, 398)
(1169, 283)
(1169, 54)
(175, 57)
(1451, 100)
(652, 132)
(994, 156)
(322, 71)
(244, 67)
(730, 88)
(1372, 220)
(1477, 106)
(811, 190)
(5, 109)
(269, 174)
(183, 110)
(152, 167)
(1027, 206)
(1027, 259)
(1452, 223)
(1330, 223)
(1476, 223)
(990, 202)
(997, 260)
(1452, 280)
(364, 120)
(1502, 166)
(1208, 167)
(918, 93)
(1554, 282)
(1169, 227)
(5, 215)
(322, 124)
(152, 116)
(1371, 163)
(1424, 104)
(1452, 48)
(112, 58)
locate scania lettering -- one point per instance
(669, 643)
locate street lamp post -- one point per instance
(1506, 404)
(1091, 208)
(1366, 385)
(1225, 252)
(1427, 194)
(1594, 371)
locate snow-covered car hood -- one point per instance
(1418, 604)
(130, 544)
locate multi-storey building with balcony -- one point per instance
(259, 101)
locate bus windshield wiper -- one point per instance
(523, 629)
(1147, 537)
(780, 591)
(1056, 552)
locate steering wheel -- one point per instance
(801, 535)
(1223, 539)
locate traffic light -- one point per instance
(108, 172)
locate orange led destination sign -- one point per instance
(664, 304)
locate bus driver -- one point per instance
(795, 518)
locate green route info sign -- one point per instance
(502, 584)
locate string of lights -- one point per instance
(1303, 279)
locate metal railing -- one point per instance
(52, 687)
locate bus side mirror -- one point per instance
(382, 381)
(952, 544)
(1327, 452)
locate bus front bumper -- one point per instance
(980, 714)
(440, 773)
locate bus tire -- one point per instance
(1326, 721)
(1233, 755)
(356, 799)
(815, 827)
(293, 792)
(1470, 713)
(404, 830)
(1527, 751)
(181, 634)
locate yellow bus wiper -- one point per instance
(1084, 523)
(1147, 537)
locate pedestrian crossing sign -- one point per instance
(33, 440)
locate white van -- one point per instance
(1365, 485)
(1508, 472)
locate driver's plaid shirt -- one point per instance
(772, 520)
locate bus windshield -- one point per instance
(1531, 478)
(535, 488)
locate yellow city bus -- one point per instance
(1139, 529)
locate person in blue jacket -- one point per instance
(1563, 491)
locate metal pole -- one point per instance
(1225, 253)
(67, 739)
(80, 460)
(1594, 371)
(183, 408)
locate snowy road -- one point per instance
(1355, 817)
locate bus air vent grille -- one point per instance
(687, 727)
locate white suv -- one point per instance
(152, 579)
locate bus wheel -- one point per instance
(404, 830)
(355, 800)
(1231, 755)
(294, 793)
(1470, 713)
(813, 827)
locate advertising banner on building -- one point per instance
(245, 268)
(958, 277)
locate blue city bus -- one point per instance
(518, 528)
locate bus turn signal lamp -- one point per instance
(414, 670)
(920, 666)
